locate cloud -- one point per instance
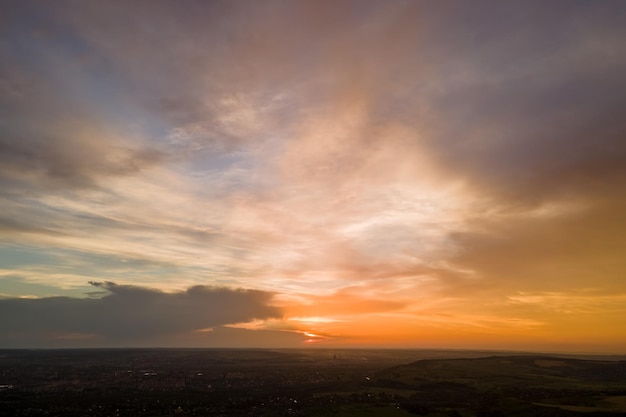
(534, 115)
(71, 156)
(345, 303)
(556, 251)
(53, 136)
(128, 314)
(372, 157)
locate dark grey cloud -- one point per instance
(229, 337)
(54, 135)
(128, 314)
(535, 108)
(45, 162)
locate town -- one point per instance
(209, 382)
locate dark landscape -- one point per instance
(314, 382)
(302, 207)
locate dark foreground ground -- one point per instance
(341, 383)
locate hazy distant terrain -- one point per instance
(341, 382)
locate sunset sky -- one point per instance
(313, 173)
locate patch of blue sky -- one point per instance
(16, 286)
(15, 256)
(243, 168)
(78, 262)
(73, 68)
(220, 174)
